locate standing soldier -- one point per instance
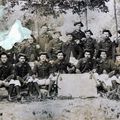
(44, 38)
(54, 45)
(106, 44)
(89, 42)
(78, 35)
(31, 50)
(69, 48)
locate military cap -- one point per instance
(87, 50)
(69, 34)
(107, 31)
(4, 53)
(43, 53)
(78, 23)
(60, 51)
(103, 50)
(22, 55)
(54, 32)
(89, 31)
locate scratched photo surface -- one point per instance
(59, 59)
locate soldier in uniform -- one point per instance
(44, 38)
(41, 72)
(69, 48)
(61, 66)
(54, 45)
(85, 64)
(31, 50)
(78, 35)
(89, 42)
(6, 71)
(104, 69)
(106, 44)
(23, 72)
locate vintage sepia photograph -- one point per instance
(59, 59)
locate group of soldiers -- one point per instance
(35, 63)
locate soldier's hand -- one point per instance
(33, 76)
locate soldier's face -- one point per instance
(4, 58)
(106, 35)
(87, 55)
(22, 59)
(30, 41)
(103, 55)
(69, 38)
(43, 58)
(60, 56)
(118, 58)
(87, 34)
(56, 35)
(78, 27)
(44, 29)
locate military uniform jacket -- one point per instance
(107, 45)
(6, 70)
(78, 35)
(54, 46)
(85, 65)
(31, 51)
(22, 69)
(107, 65)
(61, 66)
(69, 48)
(42, 69)
(90, 44)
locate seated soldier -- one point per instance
(104, 69)
(115, 79)
(6, 71)
(22, 73)
(61, 66)
(85, 64)
(41, 73)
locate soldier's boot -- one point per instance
(10, 91)
(37, 89)
(50, 87)
(18, 92)
(30, 90)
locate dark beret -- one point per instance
(22, 55)
(78, 23)
(43, 53)
(103, 50)
(88, 31)
(4, 53)
(87, 50)
(107, 31)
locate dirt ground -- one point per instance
(70, 109)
